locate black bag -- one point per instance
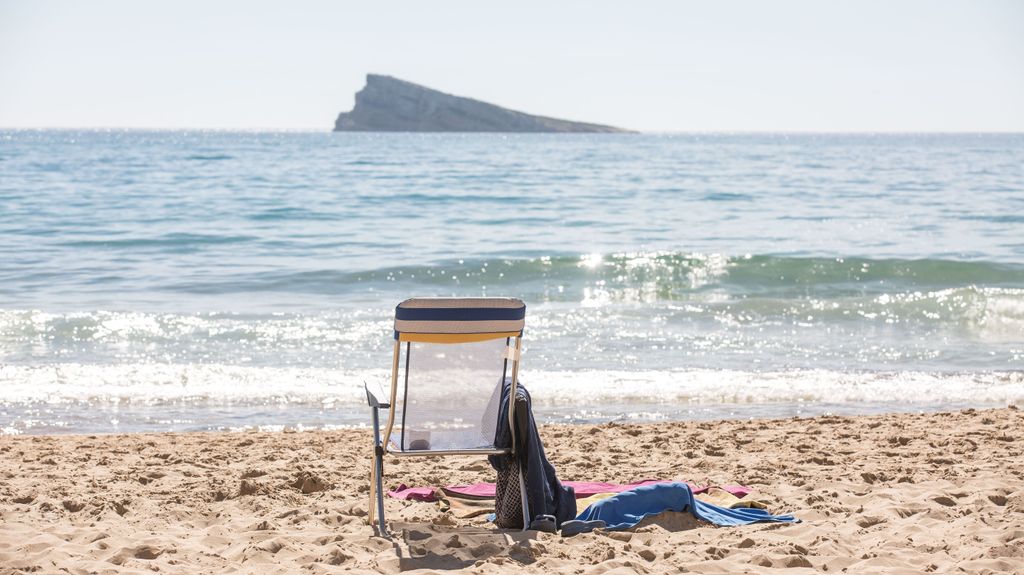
(508, 503)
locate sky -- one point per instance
(724, 65)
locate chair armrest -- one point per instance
(373, 400)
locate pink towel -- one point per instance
(740, 491)
(584, 488)
(414, 493)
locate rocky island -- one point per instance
(388, 104)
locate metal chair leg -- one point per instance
(377, 477)
(383, 530)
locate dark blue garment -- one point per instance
(626, 509)
(544, 493)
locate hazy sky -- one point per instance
(927, 65)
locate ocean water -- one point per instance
(157, 281)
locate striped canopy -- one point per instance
(444, 319)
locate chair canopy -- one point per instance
(459, 320)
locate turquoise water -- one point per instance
(211, 280)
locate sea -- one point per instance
(210, 280)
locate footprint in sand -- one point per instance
(869, 521)
(999, 500)
(147, 552)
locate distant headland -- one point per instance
(388, 104)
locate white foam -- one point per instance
(156, 383)
(203, 384)
(747, 387)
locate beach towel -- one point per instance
(713, 495)
(465, 508)
(584, 489)
(588, 501)
(581, 489)
(626, 509)
(414, 493)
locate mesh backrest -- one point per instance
(451, 394)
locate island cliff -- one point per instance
(388, 104)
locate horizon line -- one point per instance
(281, 130)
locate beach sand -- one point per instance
(908, 493)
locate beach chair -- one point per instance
(451, 358)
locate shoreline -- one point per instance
(123, 399)
(547, 416)
(899, 493)
(639, 414)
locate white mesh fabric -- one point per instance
(452, 395)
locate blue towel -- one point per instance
(628, 508)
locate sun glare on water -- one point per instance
(591, 261)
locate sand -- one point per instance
(908, 493)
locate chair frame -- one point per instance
(381, 443)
